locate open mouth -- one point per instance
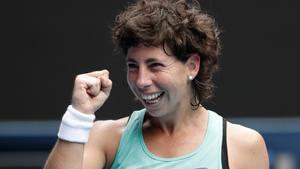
(152, 98)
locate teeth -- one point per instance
(150, 96)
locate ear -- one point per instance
(193, 64)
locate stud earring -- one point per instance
(190, 77)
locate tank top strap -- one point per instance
(225, 162)
(129, 136)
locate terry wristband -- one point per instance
(75, 126)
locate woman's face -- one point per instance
(159, 81)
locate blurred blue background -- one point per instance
(26, 145)
(47, 43)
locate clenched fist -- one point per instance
(90, 91)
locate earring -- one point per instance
(190, 77)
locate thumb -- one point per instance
(106, 85)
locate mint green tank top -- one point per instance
(133, 153)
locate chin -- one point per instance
(156, 112)
(152, 112)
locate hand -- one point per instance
(91, 91)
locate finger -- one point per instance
(97, 74)
(92, 85)
(106, 84)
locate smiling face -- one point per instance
(159, 81)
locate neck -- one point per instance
(179, 121)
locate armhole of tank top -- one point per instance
(128, 119)
(121, 143)
(224, 153)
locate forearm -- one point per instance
(65, 155)
(90, 92)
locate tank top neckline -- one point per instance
(197, 150)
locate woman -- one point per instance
(171, 49)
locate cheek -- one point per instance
(176, 86)
(130, 79)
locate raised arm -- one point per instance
(90, 92)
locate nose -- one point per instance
(143, 79)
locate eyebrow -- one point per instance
(130, 60)
(147, 61)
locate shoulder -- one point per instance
(103, 141)
(108, 132)
(245, 146)
(113, 126)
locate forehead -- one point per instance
(142, 52)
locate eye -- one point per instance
(132, 66)
(156, 65)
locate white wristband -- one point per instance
(75, 126)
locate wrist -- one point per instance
(75, 126)
(81, 108)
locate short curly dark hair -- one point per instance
(181, 25)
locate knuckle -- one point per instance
(79, 78)
(105, 71)
(95, 81)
